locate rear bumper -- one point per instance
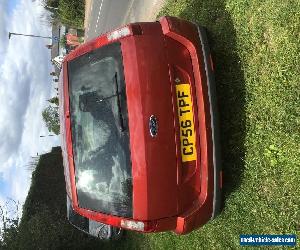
(211, 84)
(208, 204)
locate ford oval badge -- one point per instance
(153, 126)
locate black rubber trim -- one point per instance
(214, 121)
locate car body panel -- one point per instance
(210, 164)
(168, 194)
(153, 159)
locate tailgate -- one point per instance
(148, 90)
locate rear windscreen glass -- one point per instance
(100, 135)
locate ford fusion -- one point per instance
(139, 129)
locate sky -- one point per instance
(25, 87)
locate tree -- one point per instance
(54, 100)
(51, 3)
(9, 236)
(51, 118)
(63, 41)
(67, 12)
(9, 224)
(71, 12)
(51, 15)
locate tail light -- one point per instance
(133, 29)
(119, 33)
(133, 225)
(143, 226)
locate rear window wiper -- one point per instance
(117, 94)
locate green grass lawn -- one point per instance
(256, 51)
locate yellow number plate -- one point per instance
(186, 122)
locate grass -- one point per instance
(256, 50)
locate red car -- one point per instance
(139, 128)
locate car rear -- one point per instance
(171, 163)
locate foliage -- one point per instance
(51, 3)
(9, 228)
(52, 7)
(71, 12)
(10, 237)
(63, 41)
(54, 100)
(51, 118)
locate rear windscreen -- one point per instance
(100, 135)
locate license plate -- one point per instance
(186, 122)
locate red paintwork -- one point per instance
(167, 195)
(148, 93)
(188, 174)
(187, 35)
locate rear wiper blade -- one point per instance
(117, 94)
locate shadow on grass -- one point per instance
(229, 81)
